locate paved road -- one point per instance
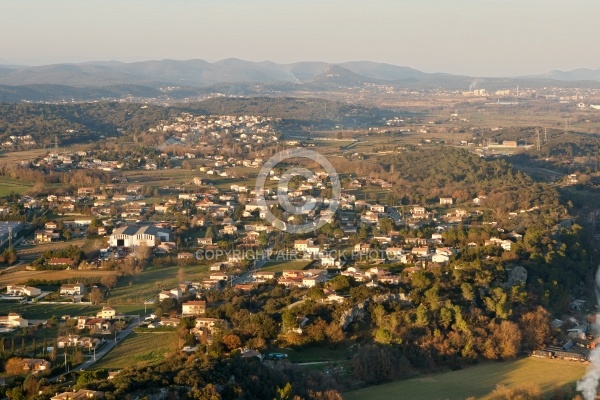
(244, 277)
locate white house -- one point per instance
(440, 258)
(107, 312)
(22, 290)
(13, 320)
(72, 289)
(302, 245)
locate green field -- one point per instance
(146, 285)
(45, 311)
(139, 349)
(280, 266)
(478, 381)
(7, 186)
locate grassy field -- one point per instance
(45, 311)
(146, 285)
(21, 276)
(479, 381)
(13, 185)
(139, 349)
(280, 266)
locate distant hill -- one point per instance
(383, 71)
(336, 76)
(580, 74)
(178, 79)
(199, 73)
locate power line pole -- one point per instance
(538, 139)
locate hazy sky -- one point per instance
(473, 37)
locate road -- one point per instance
(244, 277)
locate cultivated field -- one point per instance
(45, 311)
(478, 381)
(139, 349)
(146, 285)
(22, 276)
(33, 252)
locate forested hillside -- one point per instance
(75, 123)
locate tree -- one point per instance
(16, 393)
(373, 364)
(166, 306)
(315, 293)
(143, 253)
(503, 341)
(341, 283)
(208, 392)
(520, 393)
(77, 358)
(289, 319)
(232, 341)
(285, 393)
(96, 296)
(14, 366)
(316, 330)
(535, 327)
(210, 233)
(31, 385)
(109, 281)
(67, 234)
(386, 225)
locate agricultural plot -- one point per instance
(139, 349)
(43, 311)
(479, 381)
(146, 285)
(34, 252)
(21, 276)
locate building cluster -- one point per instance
(22, 141)
(204, 327)
(188, 129)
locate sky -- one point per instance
(470, 37)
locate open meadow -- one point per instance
(478, 381)
(139, 349)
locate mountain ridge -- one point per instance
(179, 79)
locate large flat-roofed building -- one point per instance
(139, 235)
